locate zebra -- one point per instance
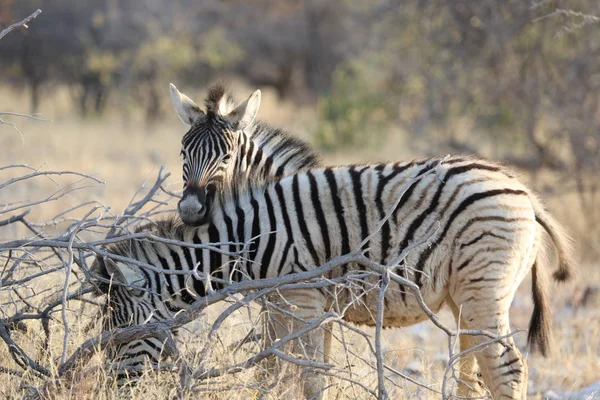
(487, 236)
(225, 145)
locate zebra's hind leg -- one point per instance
(290, 312)
(469, 384)
(503, 367)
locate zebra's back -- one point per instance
(469, 211)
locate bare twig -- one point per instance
(381, 390)
(133, 208)
(14, 218)
(22, 23)
(3, 33)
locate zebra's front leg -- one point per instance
(289, 313)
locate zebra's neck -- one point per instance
(298, 222)
(244, 227)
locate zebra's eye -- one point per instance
(211, 188)
(226, 158)
(183, 157)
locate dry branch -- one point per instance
(3, 33)
(29, 284)
(22, 23)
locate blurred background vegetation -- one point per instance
(514, 80)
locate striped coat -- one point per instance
(486, 236)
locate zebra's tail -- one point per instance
(562, 242)
(540, 326)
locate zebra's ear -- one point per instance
(186, 109)
(125, 274)
(244, 114)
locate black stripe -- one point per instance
(306, 162)
(406, 195)
(249, 155)
(188, 258)
(385, 229)
(508, 363)
(152, 278)
(233, 248)
(256, 161)
(280, 170)
(486, 219)
(286, 222)
(485, 266)
(183, 293)
(266, 259)
(465, 263)
(297, 261)
(216, 258)
(285, 162)
(474, 280)
(253, 249)
(150, 343)
(141, 353)
(360, 205)
(302, 221)
(284, 256)
(165, 265)
(454, 160)
(316, 202)
(339, 212)
(268, 165)
(481, 236)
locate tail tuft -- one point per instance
(540, 325)
(562, 274)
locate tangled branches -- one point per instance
(45, 275)
(42, 273)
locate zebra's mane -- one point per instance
(170, 227)
(263, 132)
(219, 99)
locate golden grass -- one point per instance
(125, 155)
(421, 348)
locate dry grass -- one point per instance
(125, 155)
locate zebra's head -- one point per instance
(210, 148)
(133, 298)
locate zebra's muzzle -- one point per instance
(194, 205)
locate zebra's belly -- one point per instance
(399, 310)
